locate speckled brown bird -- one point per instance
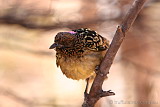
(79, 52)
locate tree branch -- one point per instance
(96, 91)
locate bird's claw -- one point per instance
(97, 69)
(85, 94)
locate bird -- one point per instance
(79, 52)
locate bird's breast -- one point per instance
(80, 67)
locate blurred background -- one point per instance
(28, 73)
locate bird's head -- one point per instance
(64, 40)
(84, 39)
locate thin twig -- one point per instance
(96, 91)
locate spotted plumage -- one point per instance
(79, 51)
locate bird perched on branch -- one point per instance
(79, 52)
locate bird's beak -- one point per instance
(53, 46)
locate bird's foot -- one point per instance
(85, 94)
(97, 69)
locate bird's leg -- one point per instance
(86, 90)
